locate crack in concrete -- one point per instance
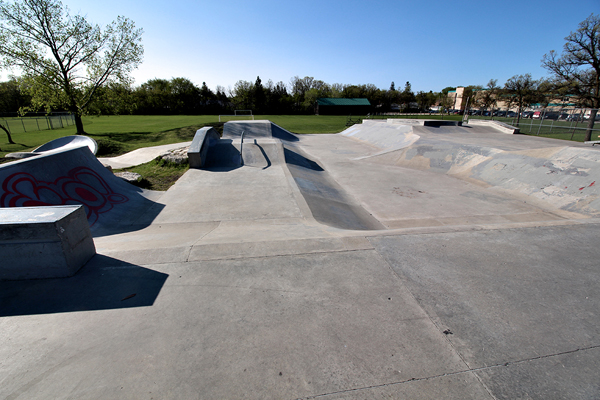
(470, 370)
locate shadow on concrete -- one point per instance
(223, 156)
(299, 160)
(104, 283)
(267, 159)
(280, 133)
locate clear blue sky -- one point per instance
(432, 44)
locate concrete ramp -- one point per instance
(384, 135)
(75, 176)
(329, 203)
(256, 130)
(444, 130)
(565, 177)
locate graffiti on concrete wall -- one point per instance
(81, 185)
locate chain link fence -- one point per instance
(34, 122)
(566, 124)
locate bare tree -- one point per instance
(488, 97)
(521, 91)
(578, 67)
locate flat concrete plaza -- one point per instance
(389, 262)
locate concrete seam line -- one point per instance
(454, 349)
(506, 364)
(477, 228)
(202, 237)
(279, 255)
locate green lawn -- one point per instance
(128, 132)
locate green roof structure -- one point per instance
(326, 101)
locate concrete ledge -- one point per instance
(204, 138)
(441, 122)
(501, 126)
(44, 242)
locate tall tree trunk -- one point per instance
(79, 124)
(588, 132)
(7, 134)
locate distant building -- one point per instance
(554, 104)
(339, 106)
(457, 96)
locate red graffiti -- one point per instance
(81, 186)
(590, 185)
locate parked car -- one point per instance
(511, 114)
(574, 117)
(526, 114)
(587, 117)
(545, 115)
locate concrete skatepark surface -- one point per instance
(384, 262)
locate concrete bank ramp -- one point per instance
(564, 176)
(256, 130)
(383, 134)
(75, 176)
(329, 203)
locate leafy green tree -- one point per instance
(185, 96)
(113, 99)
(12, 97)
(242, 95)
(336, 90)
(259, 97)
(425, 100)
(407, 96)
(448, 89)
(577, 69)
(278, 99)
(155, 97)
(65, 52)
(206, 94)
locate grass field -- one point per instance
(120, 134)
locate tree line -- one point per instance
(182, 96)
